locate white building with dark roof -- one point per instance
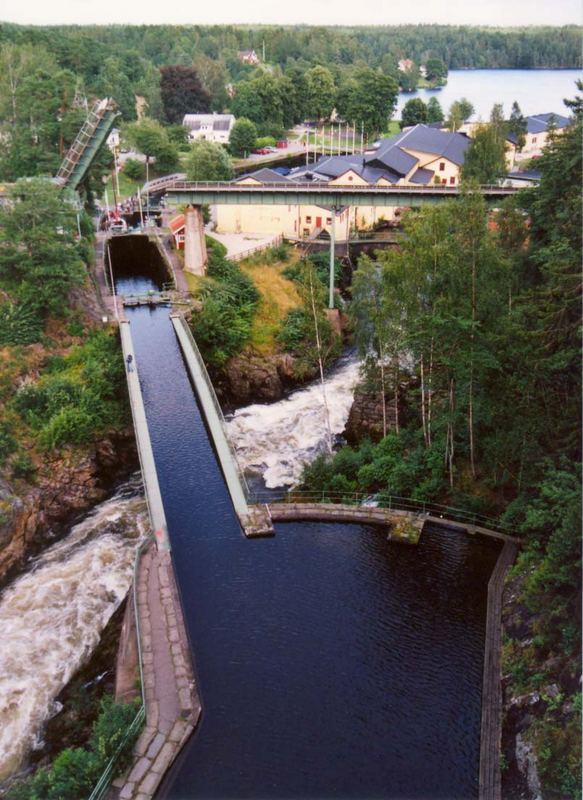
(212, 127)
(536, 136)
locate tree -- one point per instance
(259, 100)
(576, 104)
(39, 256)
(182, 93)
(517, 125)
(409, 79)
(208, 161)
(485, 159)
(243, 137)
(213, 77)
(459, 112)
(321, 92)
(436, 71)
(368, 98)
(414, 112)
(151, 139)
(434, 110)
(379, 333)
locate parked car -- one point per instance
(281, 144)
(261, 151)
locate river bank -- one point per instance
(53, 615)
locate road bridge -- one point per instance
(225, 193)
(178, 192)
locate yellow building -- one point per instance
(419, 156)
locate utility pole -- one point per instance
(353, 138)
(332, 255)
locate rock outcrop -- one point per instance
(249, 378)
(68, 485)
(365, 419)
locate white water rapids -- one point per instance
(52, 618)
(276, 440)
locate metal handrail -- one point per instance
(387, 502)
(246, 253)
(101, 787)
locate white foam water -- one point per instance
(51, 618)
(276, 440)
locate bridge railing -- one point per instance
(325, 188)
(113, 765)
(386, 501)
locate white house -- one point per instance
(536, 136)
(213, 127)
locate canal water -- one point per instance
(331, 662)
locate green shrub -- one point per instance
(70, 425)
(230, 299)
(75, 771)
(293, 330)
(265, 141)
(134, 169)
(7, 441)
(77, 396)
(21, 466)
(19, 324)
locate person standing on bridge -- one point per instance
(129, 360)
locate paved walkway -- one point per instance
(172, 702)
(403, 526)
(239, 244)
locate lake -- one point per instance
(537, 91)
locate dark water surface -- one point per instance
(331, 662)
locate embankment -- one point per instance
(69, 485)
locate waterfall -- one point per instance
(52, 617)
(276, 440)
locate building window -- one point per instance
(328, 220)
(308, 220)
(306, 233)
(443, 181)
(350, 178)
(452, 179)
(442, 166)
(534, 139)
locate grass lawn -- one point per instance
(394, 128)
(278, 296)
(127, 187)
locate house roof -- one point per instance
(176, 224)
(220, 122)
(390, 160)
(264, 175)
(428, 140)
(525, 175)
(539, 124)
(422, 176)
